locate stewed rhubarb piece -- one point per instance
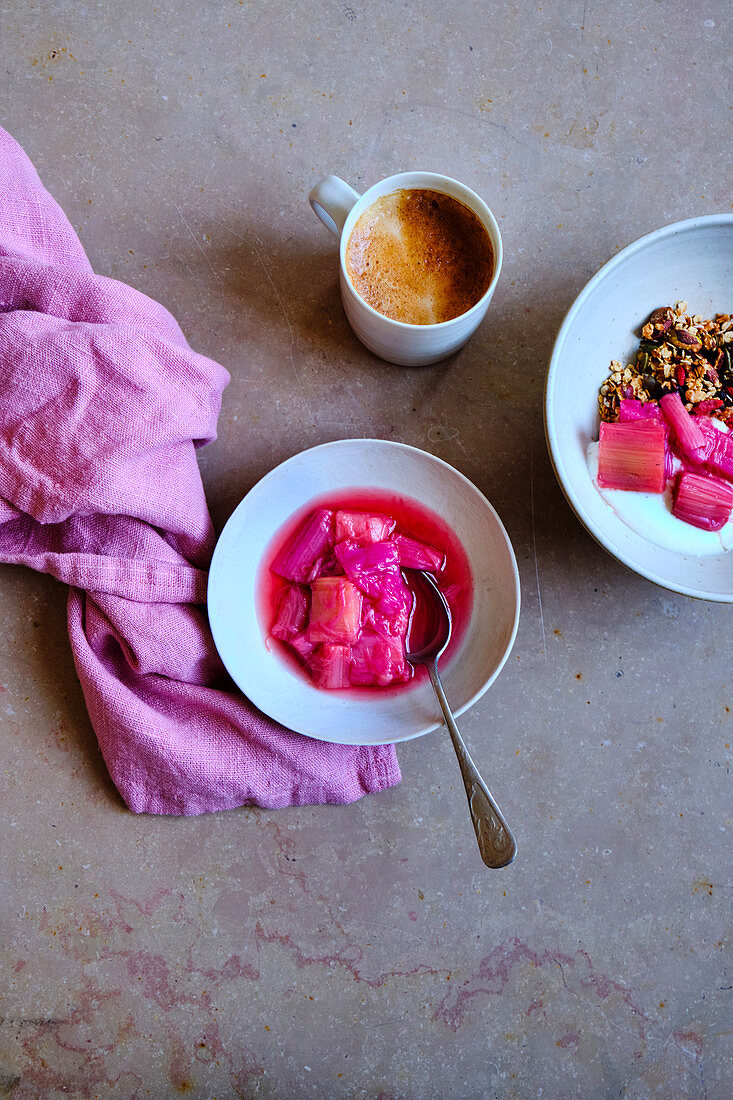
(378, 661)
(631, 455)
(703, 501)
(417, 555)
(366, 566)
(303, 554)
(631, 409)
(719, 460)
(292, 613)
(329, 666)
(363, 528)
(335, 614)
(689, 438)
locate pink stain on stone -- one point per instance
(569, 1040)
(690, 1042)
(495, 972)
(349, 958)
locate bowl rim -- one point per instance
(552, 440)
(501, 531)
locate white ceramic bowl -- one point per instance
(375, 717)
(689, 261)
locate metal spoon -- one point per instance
(495, 840)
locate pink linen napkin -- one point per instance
(102, 404)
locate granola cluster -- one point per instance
(678, 351)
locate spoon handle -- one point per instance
(496, 843)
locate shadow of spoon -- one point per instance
(427, 638)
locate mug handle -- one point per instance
(332, 199)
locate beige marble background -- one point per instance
(365, 951)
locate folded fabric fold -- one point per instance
(102, 407)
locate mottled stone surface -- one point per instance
(365, 951)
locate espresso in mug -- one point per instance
(419, 256)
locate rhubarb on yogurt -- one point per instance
(334, 598)
(668, 474)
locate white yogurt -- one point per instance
(650, 515)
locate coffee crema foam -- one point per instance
(419, 256)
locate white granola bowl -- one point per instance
(691, 261)
(372, 717)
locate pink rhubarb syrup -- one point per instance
(413, 520)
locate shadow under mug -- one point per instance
(339, 206)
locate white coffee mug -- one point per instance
(339, 206)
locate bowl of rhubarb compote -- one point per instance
(310, 600)
(639, 407)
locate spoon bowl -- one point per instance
(431, 623)
(428, 635)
